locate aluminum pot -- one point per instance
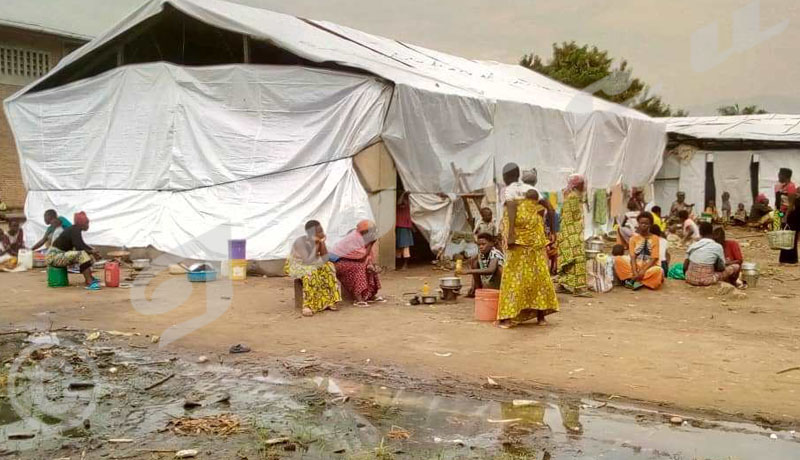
(594, 244)
(592, 253)
(140, 264)
(450, 282)
(750, 274)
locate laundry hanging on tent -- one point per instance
(617, 201)
(600, 213)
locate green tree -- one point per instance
(735, 110)
(592, 70)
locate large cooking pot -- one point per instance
(595, 244)
(750, 274)
(450, 282)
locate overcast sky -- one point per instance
(669, 43)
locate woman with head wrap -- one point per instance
(355, 268)
(69, 248)
(309, 263)
(526, 290)
(571, 250)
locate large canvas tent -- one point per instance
(195, 114)
(741, 154)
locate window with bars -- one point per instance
(23, 62)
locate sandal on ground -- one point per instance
(307, 312)
(93, 286)
(239, 348)
(360, 304)
(378, 299)
(333, 307)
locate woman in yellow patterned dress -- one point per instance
(571, 250)
(526, 291)
(309, 262)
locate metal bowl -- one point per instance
(592, 253)
(140, 264)
(450, 282)
(595, 244)
(429, 299)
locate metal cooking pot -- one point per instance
(429, 299)
(594, 244)
(450, 282)
(749, 266)
(592, 253)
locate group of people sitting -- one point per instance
(63, 242)
(350, 262)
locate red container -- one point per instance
(112, 274)
(486, 301)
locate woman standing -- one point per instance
(571, 250)
(526, 290)
(789, 256)
(309, 263)
(355, 267)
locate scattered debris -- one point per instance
(443, 355)
(119, 333)
(398, 433)
(773, 436)
(789, 369)
(491, 383)
(93, 336)
(217, 425)
(507, 420)
(188, 453)
(21, 435)
(275, 441)
(191, 404)
(239, 348)
(153, 385)
(202, 359)
(524, 402)
(155, 339)
(675, 420)
(120, 441)
(112, 370)
(81, 385)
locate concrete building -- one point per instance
(27, 51)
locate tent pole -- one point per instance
(246, 48)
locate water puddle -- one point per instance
(322, 417)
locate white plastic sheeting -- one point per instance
(157, 154)
(446, 112)
(732, 175)
(767, 127)
(693, 181)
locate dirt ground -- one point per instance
(682, 347)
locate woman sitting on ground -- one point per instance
(761, 213)
(12, 240)
(69, 248)
(733, 255)
(355, 268)
(487, 267)
(705, 260)
(691, 232)
(309, 263)
(643, 267)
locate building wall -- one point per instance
(12, 79)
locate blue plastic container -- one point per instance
(201, 277)
(237, 249)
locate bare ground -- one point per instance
(682, 347)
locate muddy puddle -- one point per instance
(66, 397)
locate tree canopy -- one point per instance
(735, 110)
(592, 70)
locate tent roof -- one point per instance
(401, 63)
(77, 19)
(768, 127)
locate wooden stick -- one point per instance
(790, 369)
(150, 387)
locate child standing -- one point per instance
(726, 207)
(403, 233)
(485, 225)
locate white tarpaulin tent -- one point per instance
(731, 167)
(158, 153)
